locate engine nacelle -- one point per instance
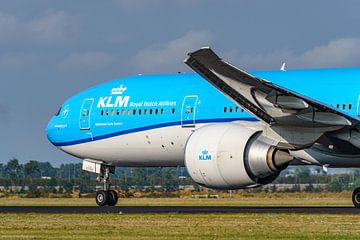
(231, 156)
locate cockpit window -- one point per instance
(58, 112)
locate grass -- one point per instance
(186, 226)
(242, 199)
(179, 226)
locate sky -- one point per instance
(50, 50)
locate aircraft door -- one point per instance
(84, 121)
(188, 111)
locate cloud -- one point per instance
(169, 56)
(89, 61)
(51, 28)
(141, 5)
(342, 52)
(4, 113)
(17, 61)
(8, 23)
(136, 5)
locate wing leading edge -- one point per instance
(270, 103)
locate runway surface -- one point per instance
(176, 209)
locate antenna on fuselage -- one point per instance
(283, 67)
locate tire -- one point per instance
(114, 198)
(356, 197)
(102, 197)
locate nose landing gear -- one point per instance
(106, 197)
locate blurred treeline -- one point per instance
(33, 175)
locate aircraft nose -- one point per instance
(51, 131)
(57, 126)
(54, 131)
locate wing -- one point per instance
(271, 103)
(277, 106)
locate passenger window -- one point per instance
(139, 111)
(107, 112)
(242, 110)
(151, 111)
(162, 111)
(128, 112)
(173, 110)
(337, 105)
(156, 111)
(102, 112)
(236, 109)
(189, 110)
(230, 109)
(344, 106)
(112, 112)
(85, 113)
(224, 109)
(350, 106)
(123, 112)
(134, 112)
(145, 110)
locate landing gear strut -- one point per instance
(356, 197)
(106, 196)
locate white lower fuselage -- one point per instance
(156, 147)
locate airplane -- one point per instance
(230, 128)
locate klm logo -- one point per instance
(119, 90)
(111, 102)
(114, 101)
(205, 155)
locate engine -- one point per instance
(231, 156)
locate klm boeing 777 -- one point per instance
(231, 129)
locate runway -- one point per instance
(177, 209)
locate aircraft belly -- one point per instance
(156, 147)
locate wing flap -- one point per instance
(288, 102)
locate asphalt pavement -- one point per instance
(177, 209)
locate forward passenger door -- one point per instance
(188, 111)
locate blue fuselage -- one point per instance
(140, 103)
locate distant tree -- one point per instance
(338, 183)
(310, 188)
(356, 182)
(155, 176)
(32, 170)
(139, 176)
(2, 170)
(66, 171)
(46, 169)
(295, 188)
(170, 177)
(302, 175)
(13, 170)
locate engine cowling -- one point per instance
(231, 156)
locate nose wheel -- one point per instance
(106, 197)
(356, 197)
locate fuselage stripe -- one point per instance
(140, 129)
